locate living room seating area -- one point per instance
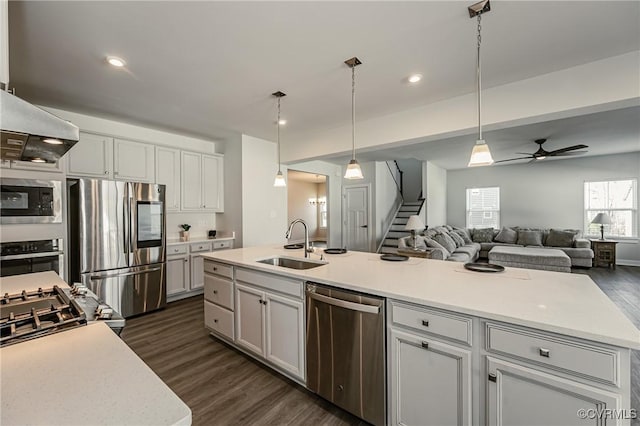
(535, 248)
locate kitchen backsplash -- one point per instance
(200, 224)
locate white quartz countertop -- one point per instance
(16, 283)
(222, 237)
(570, 304)
(83, 376)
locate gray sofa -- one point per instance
(478, 242)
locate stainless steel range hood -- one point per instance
(30, 133)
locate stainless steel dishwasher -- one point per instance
(346, 350)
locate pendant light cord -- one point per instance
(278, 125)
(353, 112)
(479, 75)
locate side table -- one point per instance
(604, 253)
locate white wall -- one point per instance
(264, 207)
(435, 190)
(231, 219)
(386, 201)
(298, 194)
(412, 178)
(334, 175)
(546, 194)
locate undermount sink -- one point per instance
(292, 262)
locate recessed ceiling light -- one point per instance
(282, 122)
(415, 78)
(116, 62)
(52, 141)
(37, 160)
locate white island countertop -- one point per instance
(82, 376)
(569, 304)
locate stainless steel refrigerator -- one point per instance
(117, 242)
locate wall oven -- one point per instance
(25, 257)
(30, 201)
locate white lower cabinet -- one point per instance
(271, 325)
(430, 381)
(519, 395)
(178, 270)
(197, 272)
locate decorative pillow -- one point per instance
(463, 234)
(529, 238)
(484, 235)
(558, 238)
(445, 240)
(431, 243)
(449, 227)
(456, 239)
(507, 235)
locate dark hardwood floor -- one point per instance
(224, 387)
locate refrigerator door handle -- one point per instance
(126, 274)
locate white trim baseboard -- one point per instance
(627, 262)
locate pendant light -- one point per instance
(480, 156)
(279, 181)
(353, 168)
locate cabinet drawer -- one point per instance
(174, 250)
(445, 324)
(218, 290)
(272, 282)
(217, 245)
(198, 247)
(211, 267)
(218, 319)
(577, 358)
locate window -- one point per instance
(617, 198)
(483, 207)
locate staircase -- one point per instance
(396, 230)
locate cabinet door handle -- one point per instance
(186, 260)
(425, 323)
(204, 206)
(106, 172)
(215, 320)
(493, 378)
(215, 291)
(425, 345)
(544, 352)
(260, 301)
(215, 269)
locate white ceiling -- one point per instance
(306, 177)
(204, 68)
(609, 132)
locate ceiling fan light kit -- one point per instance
(279, 180)
(353, 168)
(480, 155)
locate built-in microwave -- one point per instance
(30, 201)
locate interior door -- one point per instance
(357, 230)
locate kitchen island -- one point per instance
(460, 344)
(81, 376)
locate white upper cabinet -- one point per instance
(168, 174)
(202, 182)
(191, 185)
(91, 156)
(133, 161)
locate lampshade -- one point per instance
(480, 156)
(602, 219)
(353, 170)
(414, 223)
(279, 181)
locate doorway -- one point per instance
(357, 218)
(307, 200)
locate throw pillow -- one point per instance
(558, 238)
(529, 238)
(484, 235)
(445, 240)
(507, 235)
(457, 239)
(431, 243)
(464, 234)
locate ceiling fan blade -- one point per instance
(569, 148)
(564, 154)
(512, 159)
(525, 153)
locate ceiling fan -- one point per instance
(541, 153)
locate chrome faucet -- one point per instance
(307, 248)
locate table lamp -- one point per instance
(414, 224)
(602, 219)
